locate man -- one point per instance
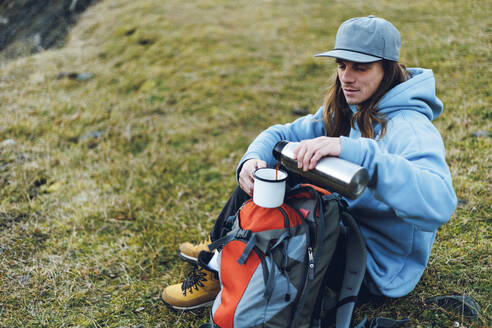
(377, 114)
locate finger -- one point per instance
(258, 165)
(250, 185)
(261, 164)
(248, 168)
(252, 172)
(300, 155)
(297, 150)
(307, 158)
(247, 190)
(307, 153)
(246, 185)
(318, 152)
(314, 160)
(327, 148)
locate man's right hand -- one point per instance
(246, 180)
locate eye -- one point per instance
(341, 65)
(361, 68)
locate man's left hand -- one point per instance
(310, 151)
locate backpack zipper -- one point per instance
(310, 263)
(308, 274)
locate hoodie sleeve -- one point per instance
(306, 127)
(407, 170)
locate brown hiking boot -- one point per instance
(198, 290)
(189, 252)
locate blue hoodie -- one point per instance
(410, 192)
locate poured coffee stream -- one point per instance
(276, 171)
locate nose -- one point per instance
(346, 75)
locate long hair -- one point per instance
(338, 117)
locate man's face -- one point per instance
(359, 80)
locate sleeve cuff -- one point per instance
(351, 150)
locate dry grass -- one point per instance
(101, 179)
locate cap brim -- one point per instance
(349, 55)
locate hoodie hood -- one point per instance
(418, 93)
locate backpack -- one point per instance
(273, 263)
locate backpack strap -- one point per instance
(247, 250)
(240, 234)
(355, 268)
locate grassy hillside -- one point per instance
(102, 175)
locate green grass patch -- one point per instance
(101, 179)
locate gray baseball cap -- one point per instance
(366, 39)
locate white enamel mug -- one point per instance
(269, 187)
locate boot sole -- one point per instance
(189, 308)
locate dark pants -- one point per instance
(238, 197)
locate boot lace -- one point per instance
(194, 280)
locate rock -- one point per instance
(91, 135)
(81, 76)
(73, 5)
(75, 76)
(300, 111)
(481, 133)
(29, 26)
(457, 304)
(8, 142)
(140, 309)
(61, 75)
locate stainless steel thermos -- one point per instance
(331, 173)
